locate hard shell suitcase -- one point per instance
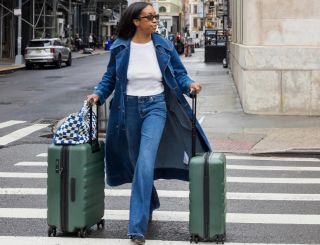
(207, 218)
(75, 187)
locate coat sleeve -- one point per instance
(180, 72)
(107, 83)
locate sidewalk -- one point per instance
(229, 129)
(7, 65)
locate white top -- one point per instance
(144, 74)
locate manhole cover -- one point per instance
(53, 77)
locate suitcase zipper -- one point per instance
(64, 172)
(206, 191)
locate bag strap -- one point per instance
(95, 147)
(193, 95)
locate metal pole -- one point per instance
(19, 58)
(69, 24)
(54, 21)
(33, 19)
(1, 28)
(44, 18)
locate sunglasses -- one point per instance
(150, 17)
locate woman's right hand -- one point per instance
(93, 98)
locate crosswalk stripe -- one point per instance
(231, 167)
(102, 241)
(281, 159)
(23, 175)
(273, 180)
(42, 155)
(263, 180)
(31, 164)
(180, 194)
(10, 123)
(272, 168)
(254, 158)
(18, 134)
(178, 216)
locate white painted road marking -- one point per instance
(254, 158)
(10, 123)
(229, 179)
(178, 216)
(42, 155)
(273, 180)
(180, 194)
(228, 166)
(18, 134)
(201, 120)
(13, 240)
(283, 159)
(23, 175)
(30, 164)
(272, 168)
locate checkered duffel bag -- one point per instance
(75, 129)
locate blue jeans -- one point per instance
(145, 119)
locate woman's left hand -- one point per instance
(195, 87)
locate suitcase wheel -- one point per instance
(100, 224)
(52, 231)
(221, 238)
(83, 232)
(194, 238)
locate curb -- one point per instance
(86, 55)
(9, 69)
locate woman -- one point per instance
(149, 129)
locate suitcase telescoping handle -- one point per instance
(94, 147)
(193, 95)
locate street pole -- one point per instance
(70, 20)
(19, 58)
(1, 28)
(33, 19)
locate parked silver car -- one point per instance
(47, 51)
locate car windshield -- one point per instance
(44, 43)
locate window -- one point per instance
(57, 43)
(162, 9)
(43, 43)
(195, 22)
(195, 9)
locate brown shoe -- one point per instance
(138, 240)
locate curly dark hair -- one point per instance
(126, 28)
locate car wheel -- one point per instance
(29, 66)
(69, 61)
(59, 62)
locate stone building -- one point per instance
(275, 55)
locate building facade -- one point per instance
(275, 55)
(58, 18)
(171, 12)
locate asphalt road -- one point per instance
(270, 200)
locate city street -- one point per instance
(271, 199)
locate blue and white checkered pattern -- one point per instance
(76, 128)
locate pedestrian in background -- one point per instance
(149, 128)
(91, 41)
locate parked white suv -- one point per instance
(47, 51)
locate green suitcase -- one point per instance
(207, 197)
(75, 188)
(207, 206)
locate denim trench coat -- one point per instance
(175, 146)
